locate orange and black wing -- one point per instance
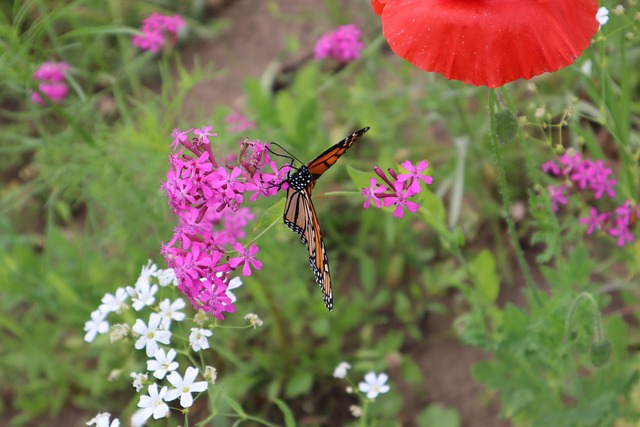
(300, 216)
(324, 161)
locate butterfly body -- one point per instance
(300, 215)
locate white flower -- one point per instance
(150, 335)
(167, 277)
(184, 387)
(142, 294)
(234, 283)
(97, 325)
(341, 370)
(102, 420)
(198, 338)
(169, 310)
(137, 420)
(115, 302)
(254, 320)
(153, 404)
(602, 16)
(148, 271)
(163, 363)
(373, 384)
(138, 380)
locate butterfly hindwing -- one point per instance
(305, 224)
(300, 216)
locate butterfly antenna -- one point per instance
(289, 155)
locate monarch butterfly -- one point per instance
(300, 216)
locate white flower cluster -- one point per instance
(150, 335)
(372, 386)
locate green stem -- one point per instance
(506, 199)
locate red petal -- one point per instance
(378, 5)
(489, 42)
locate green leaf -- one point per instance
(269, 217)
(439, 416)
(300, 383)
(289, 420)
(359, 178)
(483, 273)
(410, 371)
(237, 408)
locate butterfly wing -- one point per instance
(300, 216)
(324, 161)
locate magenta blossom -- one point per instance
(593, 179)
(415, 174)
(397, 189)
(207, 198)
(557, 196)
(399, 199)
(342, 45)
(51, 71)
(247, 258)
(372, 193)
(595, 220)
(52, 82)
(155, 29)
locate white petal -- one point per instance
(186, 400)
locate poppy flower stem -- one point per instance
(506, 199)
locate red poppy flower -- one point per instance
(488, 42)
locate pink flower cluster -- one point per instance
(52, 76)
(594, 177)
(398, 189)
(154, 28)
(342, 45)
(207, 198)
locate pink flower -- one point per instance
(551, 167)
(602, 187)
(342, 45)
(595, 220)
(154, 30)
(56, 92)
(215, 301)
(372, 193)
(415, 175)
(52, 76)
(570, 161)
(621, 231)
(582, 174)
(51, 71)
(399, 199)
(206, 198)
(247, 258)
(557, 196)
